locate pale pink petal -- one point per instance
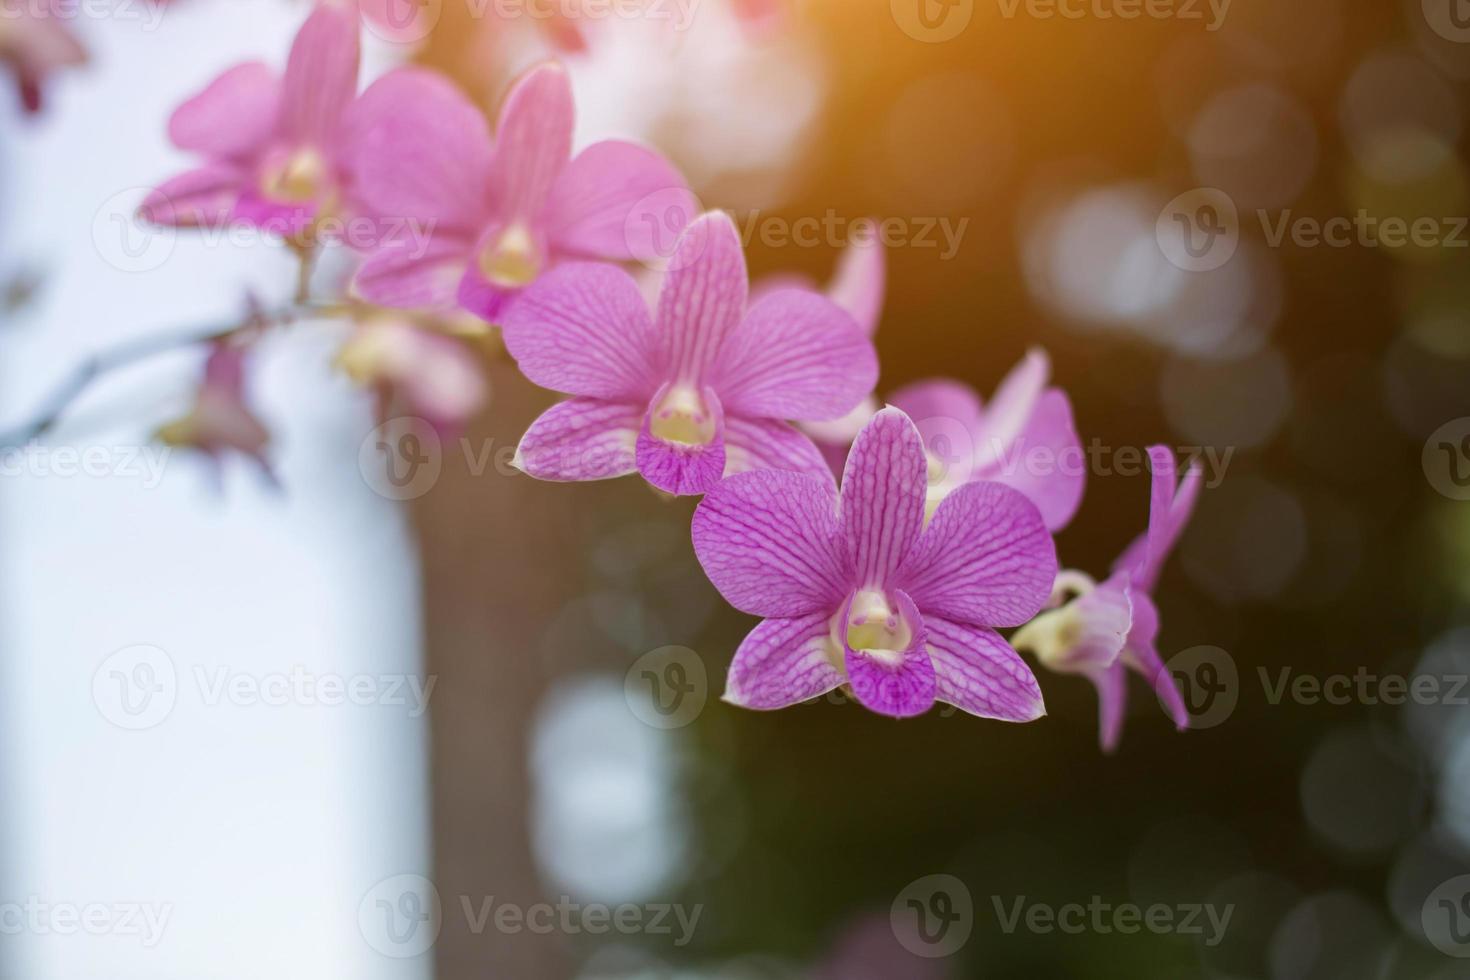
(1169, 514)
(979, 673)
(321, 75)
(1141, 653)
(1046, 461)
(421, 152)
(438, 376)
(757, 444)
(883, 492)
(796, 355)
(779, 281)
(584, 329)
(681, 468)
(533, 141)
(616, 201)
(405, 274)
(703, 296)
(1010, 410)
(768, 542)
(1112, 704)
(233, 118)
(581, 439)
(483, 298)
(783, 662)
(939, 398)
(860, 283)
(986, 558)
(902, 683)
(203, 197)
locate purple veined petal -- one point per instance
(782, 662)
(1046, 462)
(882, 503)
(614, 200)
(986, 558)
(321, 75)
(581, 439)
(233, 118)
(1112, 704)
(979, 673)
(584, 329)
(768, 542)
(1141, 654)
(420, 152)
(200, 198)
(767, 444)
(861, 280)
(1008, 413)
(897, 683)
(670, 461)
(703, 297)
(405, 274)
(1169, 514)
(796, 355)
(533, 142)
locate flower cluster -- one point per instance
(891, 585)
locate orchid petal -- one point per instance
(1006, 416)
(533, 141)
(1085, 635)
(321, 75)
(1112, 704)
(755, 444)
(203, 197)
(1141, 654)
(612, 200)
(860, 282)
(1169, 514)
(703, 295)
(979, 673)
(414, 275)
(1046, 463)
(783, 662)
(233, 117)
(882, 502)
(581, 439)
(682, 469)
(900, 684)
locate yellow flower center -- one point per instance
(682, 417)
(512, 260)
(303, 177)
(876, 627)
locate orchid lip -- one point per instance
(875, 626)
(512, 260)
(303, 176)
(683, 417)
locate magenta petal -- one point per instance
(414, 275)
(703, 295)
(1008, 413)
(883, 491)
(1169, 514)
(796, 355)
(1046, 461)
(584, 329)
(681, 468)
(939, 398)
(768, 542)
(1112, 704)
(979, 673)
(1141, 653)
(533, 140)
(860, 282)
(321, 75)
(900, 684)
(617, 200)
(420, 151)
(233, 117)
(757, 444)
(783, 662)
(581, 439)
(203, 197)
(986, 558)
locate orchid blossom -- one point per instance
(856, 591)
(220, 420)
(1109, 628)
(701, 390)
(490, 217)
(437, 376)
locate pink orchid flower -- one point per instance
(1109, 628)
(702, 389)
(494, 216)
(857, 591)
(221, 421)
(1025, 438)
(437, 376)
(34, 43)
(273, 147)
